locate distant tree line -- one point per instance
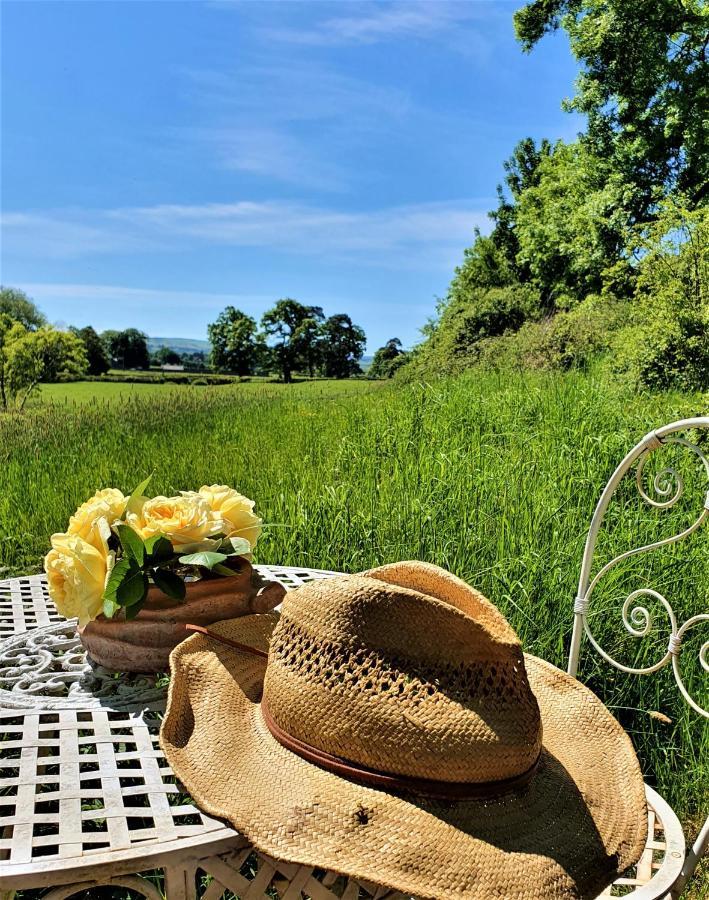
(293, 338)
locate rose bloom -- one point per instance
(77, 573)
(187, 521)
(93, 520)
(235, 509)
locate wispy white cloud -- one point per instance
(378, 22)
(430, 231)
(270, 152)
(136, 298)
(293, 115)
(295, 90)
(67, 234)
(298, 121)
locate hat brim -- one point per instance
(569, 833)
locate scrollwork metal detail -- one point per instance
(665, 490)
(638, 621)
(663, 484)
(703, 660)
(47, 668)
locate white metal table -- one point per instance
(87, 798)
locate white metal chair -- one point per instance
(653, 879)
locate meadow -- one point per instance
(494, 477)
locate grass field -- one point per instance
(492, 477)
(97, 392)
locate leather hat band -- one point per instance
(426, 787)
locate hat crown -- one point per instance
(405, 670)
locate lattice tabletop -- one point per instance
(87, 798)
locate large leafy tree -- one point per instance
(234, 340)
(41, 355)
(387, 359)
(165, 356)
(19, 307)
(98, 361)
(644, 86)
(10, 330)
(343, 346)
(282, 325)
(495, 261)
(127, 349)
(570, 226)
(307, 343)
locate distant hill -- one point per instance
(179, 345)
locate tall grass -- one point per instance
(493, 477)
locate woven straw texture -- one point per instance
(409, 671)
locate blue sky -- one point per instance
(163, 159)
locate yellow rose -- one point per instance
(93, 520)
(236, 510)
(186, 520)
(77, 573)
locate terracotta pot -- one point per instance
(143, 644)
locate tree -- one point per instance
(19, 307)
(342, 347)
(570, 226)
(387, 359)
(666, 343)
(109, 339)
(644, 86)
(494, 261)
(41, 355)
(307, 344)
(127, 349)
(234, 342)
(164, 356)
(10, 330)
(98, 362)
(195, 362)
(497, 257)
(282, 323)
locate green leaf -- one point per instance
(137, 495)
(133, 588)
(159, 549)
(109, 607)
(132, 543)
(132, 611)
(240, 546)
(140, 490)
(206, 558)
(169, 583)
(118, 573)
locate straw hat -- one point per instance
(396, 733)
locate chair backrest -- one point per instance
(667, 488)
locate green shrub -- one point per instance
(568, 340)
(467, 320)
(667, 342)
(663, 355)
(493, 312)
